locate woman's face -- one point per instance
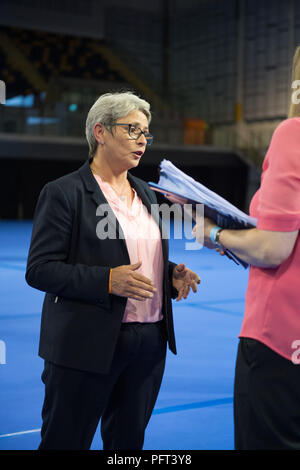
(122, 151)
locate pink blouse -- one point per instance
(272, 310)
(143, 241)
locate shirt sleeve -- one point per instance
(279, 196)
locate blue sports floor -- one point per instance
(194, 410)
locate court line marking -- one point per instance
(20, 433)
(192, 406)
(18, 315)
(12, 267)
(208, 303)
(167, 409)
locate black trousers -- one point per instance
(124, 399)
(266, 399)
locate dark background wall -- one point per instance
(23, 174)
(224, 63)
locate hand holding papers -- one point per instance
(178, 187)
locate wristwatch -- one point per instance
(215, 235)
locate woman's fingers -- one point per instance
(183, 292)
(126, 282)
(142, 281)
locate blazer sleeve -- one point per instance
(173, 290)
(47, 266)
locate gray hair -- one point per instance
(110, 107)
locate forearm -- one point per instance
(256, 247)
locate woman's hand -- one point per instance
(202, 234)
(183, 280)
(126, 282)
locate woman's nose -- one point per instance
(142, 139)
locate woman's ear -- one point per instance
(99, 132)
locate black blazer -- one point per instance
(80, 319)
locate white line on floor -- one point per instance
(20, 433)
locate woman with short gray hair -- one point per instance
(110, 107)
(107, 313)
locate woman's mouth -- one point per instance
(138, 153)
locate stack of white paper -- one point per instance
(175, 182)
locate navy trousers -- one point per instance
(124, 399)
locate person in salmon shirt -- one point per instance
(267, 374)
(99, 253)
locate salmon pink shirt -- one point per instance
(272, 310)
(143, 241)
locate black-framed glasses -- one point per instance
(135, 132)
